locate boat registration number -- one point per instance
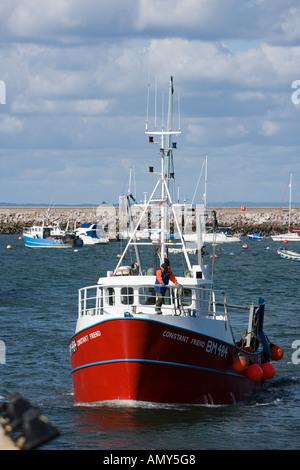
(216, 348)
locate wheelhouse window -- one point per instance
(127, 297)
(147, 296)
(110, 296)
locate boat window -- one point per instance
(127, 295)
(187, 299)
(110, 296)
(147, 296)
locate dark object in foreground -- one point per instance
(24, 424)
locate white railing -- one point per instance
(102, 299)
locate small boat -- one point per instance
(220, 237)
(49, 236)
(255, 236)
(293, 234)
(127, 346)
(91, 234)
(288, 254)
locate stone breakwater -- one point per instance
(254, 219)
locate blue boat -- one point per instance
(49, 236)
(255, 236)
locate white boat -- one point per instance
(289, 254)
(91, 234)
(220, 237)
(125, 348)
(293, 235)
(210, 233)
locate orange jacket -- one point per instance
(163, 278)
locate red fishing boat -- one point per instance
(125, 347)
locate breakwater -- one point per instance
(253, 219)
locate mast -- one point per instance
(166, 153)
(290, 199)
(164, 200)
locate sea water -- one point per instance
(38, 312)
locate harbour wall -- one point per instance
(253, 219)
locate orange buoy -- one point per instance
(285, 241)
(268, 370)
(254, 372)
(8, 247)
(243, 208)
(240, 362)
(276, 353)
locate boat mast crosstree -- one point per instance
(122, 349)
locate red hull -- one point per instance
(144, 360)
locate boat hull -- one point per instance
(150, 361)
(47, 242)
(287, 237)
(287, 254)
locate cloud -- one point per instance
(10, 125)
(270, 128)
(76, 75)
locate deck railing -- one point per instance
(196, 301)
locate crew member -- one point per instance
(163, 276)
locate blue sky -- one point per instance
(76, 75)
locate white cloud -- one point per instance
(249, 95)
(237, 131)
(76, 81)
(62, 107)
(270, 128)
(11, 125)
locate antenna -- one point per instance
(179, 126)
(148, 94)
(155, 103)
(204, 163)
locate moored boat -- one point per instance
(255, 236)
(289, 254)
(91, 234)
(293, 234)
(124, 348)
(49, 236)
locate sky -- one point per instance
(75, 77)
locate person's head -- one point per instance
(164, 266)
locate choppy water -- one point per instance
(38, 310)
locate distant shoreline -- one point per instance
(225, 205)
(243, 220)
